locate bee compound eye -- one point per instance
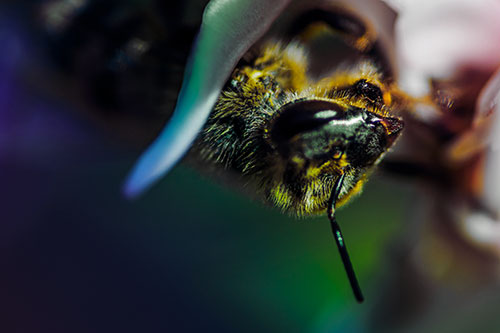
(303, 117)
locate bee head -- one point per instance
(321, 139)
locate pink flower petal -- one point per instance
(434, 38)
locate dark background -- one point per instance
(190, 255)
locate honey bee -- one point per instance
(291, 138)
(302, 141)
(305, 145)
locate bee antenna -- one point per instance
(339, 239)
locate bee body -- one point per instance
(289, 157)
(287, 136)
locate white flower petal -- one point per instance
(228, 29)
(483, 231)
(489, 106)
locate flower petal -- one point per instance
(437, 37)
(491, 193)
(228, 29)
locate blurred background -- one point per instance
(190, 255)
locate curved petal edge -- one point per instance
(229, 28)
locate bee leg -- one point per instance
(347, 25)
(356, 32)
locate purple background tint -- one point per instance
(189, 256)
(75, 256)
